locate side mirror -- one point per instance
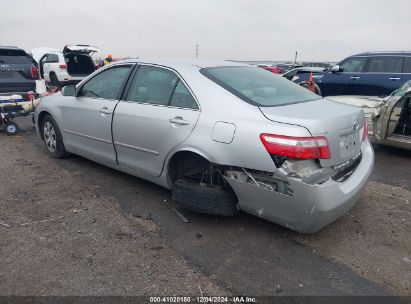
(336, 69)
(69, 90)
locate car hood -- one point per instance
(359, 101)
(322, 117)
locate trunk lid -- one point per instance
(341, 124)
(81, 48)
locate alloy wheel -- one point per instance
(50, 137)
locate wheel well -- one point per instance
(40, 121)
(186, 163)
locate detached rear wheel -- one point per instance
(11, 128)
(52, 137)
(193, 196)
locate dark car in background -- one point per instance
(18, 71)
(371, 74)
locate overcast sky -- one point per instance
(224, 29)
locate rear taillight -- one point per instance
(34, 72)
(63, 66)
(296, 147)
(365, 130)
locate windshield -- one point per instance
(258, 86)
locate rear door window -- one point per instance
(52, 58)
(153, 85)
(106, 84)
(182, 97)
(384, 64)
(407, 65)
(13, 57)
(353, 64)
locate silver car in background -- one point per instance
(389, 118)
(223, 136)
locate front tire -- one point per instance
(52, 137)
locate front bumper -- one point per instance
(310, 207)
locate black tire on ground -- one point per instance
(54, 81)
(190, 195)
(11, 128)
(52, 137)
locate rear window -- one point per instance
(384, 64)
(258, 86)
(407, 65)
(13, 57)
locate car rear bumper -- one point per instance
(309, 207)
(10, 88)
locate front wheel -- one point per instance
(52, 137)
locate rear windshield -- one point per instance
(13, 57)
(258, 86)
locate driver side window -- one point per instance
(106, 84)
(353, 65)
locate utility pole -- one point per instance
(197, 48)
(295, 59)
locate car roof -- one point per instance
(384, 53)
(180, 63)
(6, 47)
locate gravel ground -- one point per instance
(66, 229)
(68, 239)
(374, 238)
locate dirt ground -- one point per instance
(374, 238)
(61, 237)
(66, 231)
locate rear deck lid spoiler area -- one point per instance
(341, 124)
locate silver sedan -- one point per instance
(223, 136)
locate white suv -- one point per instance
(70, 66)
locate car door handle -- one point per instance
(178, 120)
(394, 78)
(105, 110)
(355, 77)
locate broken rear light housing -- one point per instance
(316, 147)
